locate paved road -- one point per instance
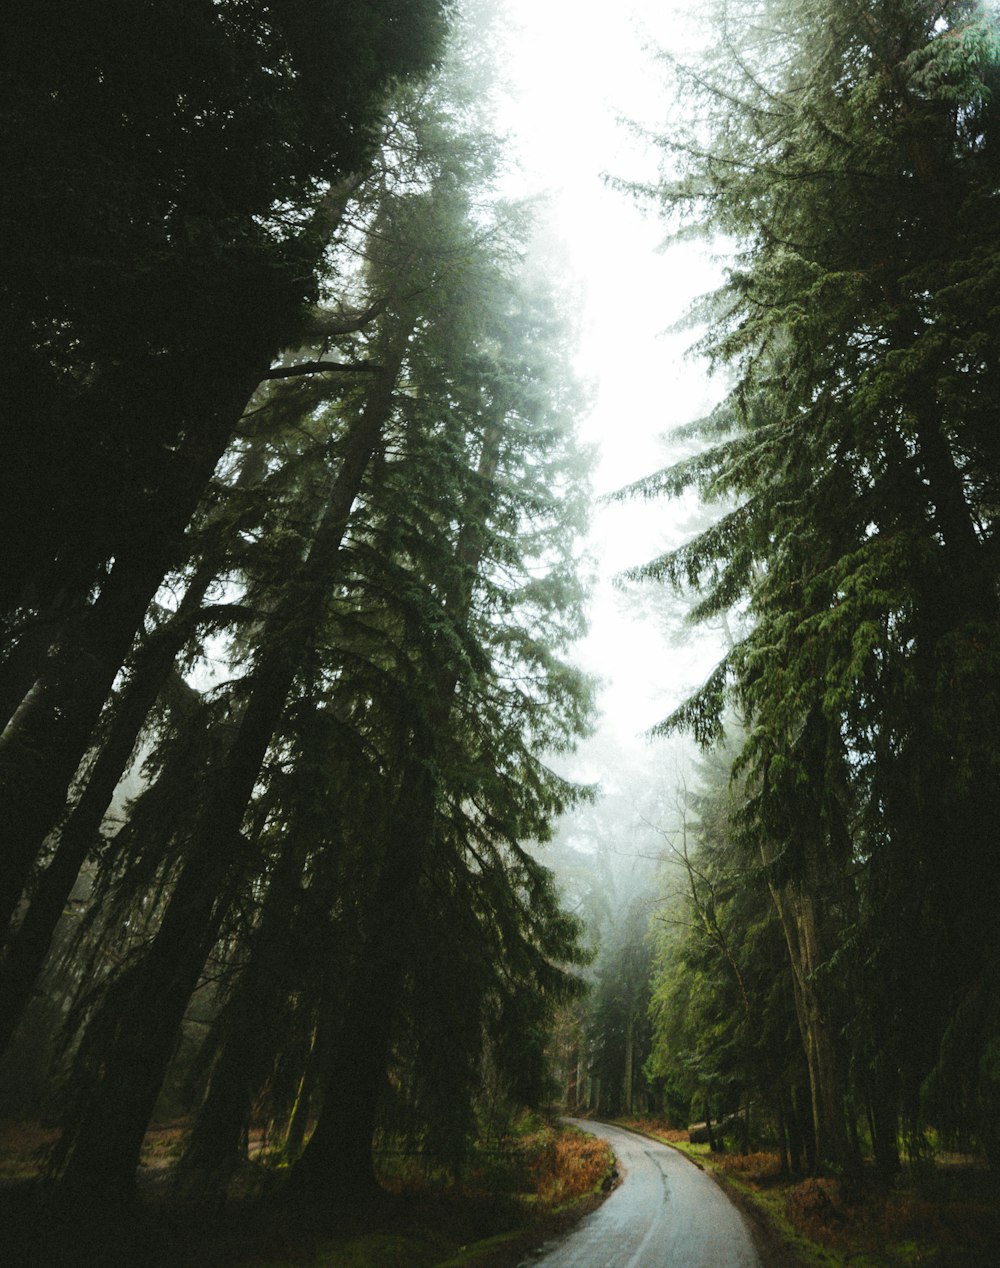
(665, 1214)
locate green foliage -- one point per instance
(721, 1006)
(401, 663)
(847, 154)
(617, 1024)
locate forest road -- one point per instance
(665, 1214)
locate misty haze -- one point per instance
(500, 655)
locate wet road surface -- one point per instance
(665, 1214)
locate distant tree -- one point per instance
(726, 1025)
(605, 856)
(617, 1016)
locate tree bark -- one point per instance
(796, 908)
(20, 666)
(298, 1121)
(217, 1143)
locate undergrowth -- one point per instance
(568, 1165)
(506, 1198)
(547, 1166)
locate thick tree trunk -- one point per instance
(101, 1149)
(23, 659)
(133, 1038)
(713, 1140)
(797, 912)
(337, 1162)
(217, 1144)
(884, 1102)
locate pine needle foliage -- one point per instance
(848, 152)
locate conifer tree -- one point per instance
(200, 150)
(849, 151)
(724, 1001)
(395, 646)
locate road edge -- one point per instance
(772, 1249)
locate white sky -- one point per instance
(574, 67)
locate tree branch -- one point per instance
(321, 367)
(326, 323)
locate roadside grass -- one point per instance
(505, 1201)
(945, 1214)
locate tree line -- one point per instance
(294, 514)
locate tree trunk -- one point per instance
(802, 1118)
(337, 1163)
(216, 1146)
(337, 1160)
(884, 1119)
(573, 1079)
(20, 666)
(298, 1121)
(627, 1097)
(30, 943)
(713, 1140)
(797, 912)
(133, 1036)
(103, 1142)
(45, 741)
(781, 1111)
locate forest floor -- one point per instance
(510, 1201)
(943, 1211)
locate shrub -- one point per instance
(815, 1208)
(753, 1167)
(661, 1130)
(569, 1166)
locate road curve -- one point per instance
(665, 1214)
